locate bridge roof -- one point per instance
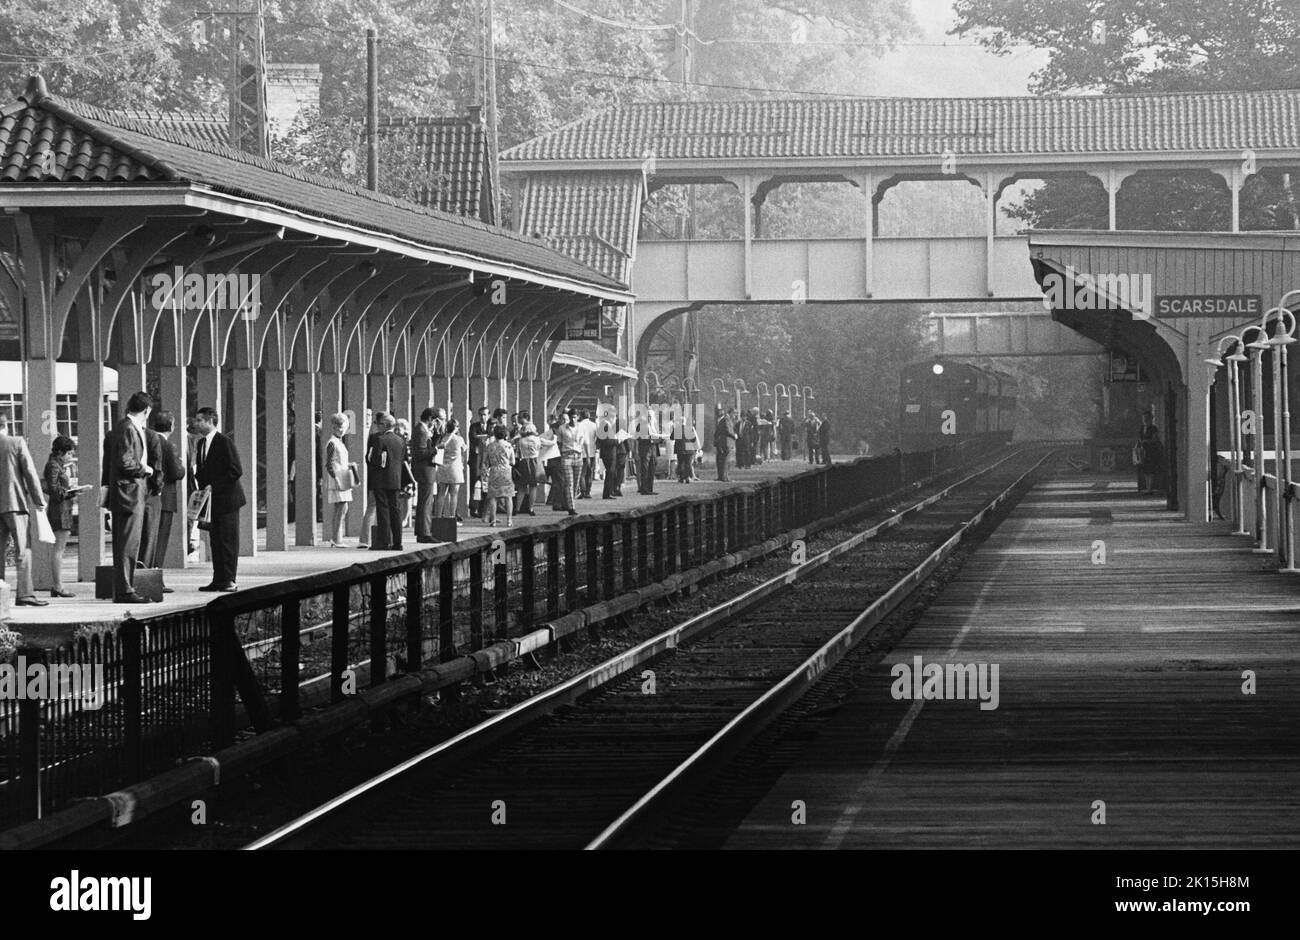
(907, 127)
(48, 139)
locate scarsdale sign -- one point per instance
(1244, 306)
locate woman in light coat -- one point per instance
(338, 471)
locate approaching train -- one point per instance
(946, 402)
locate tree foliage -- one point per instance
(1151, 46)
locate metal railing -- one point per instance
(184, 684)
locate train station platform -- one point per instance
(64, 616)
(1160, 687)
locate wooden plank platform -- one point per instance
(1119, 682)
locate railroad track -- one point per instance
(595, 759)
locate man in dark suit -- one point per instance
(384, 457)
(161, 506)
(217, 466)
(724, 439)
(422, 453)
(126, 473)
(824, 439)
(479, 432)
(20, 496)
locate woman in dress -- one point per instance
(499, 460)
(528, 465)
(338, 482)
(60, 482)
(451, 475)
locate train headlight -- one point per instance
(937, 368)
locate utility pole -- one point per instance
(479, 56)
(493, 139)
(372, 109)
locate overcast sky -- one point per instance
(927, 72)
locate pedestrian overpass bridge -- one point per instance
(583, 188)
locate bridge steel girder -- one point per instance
(1007, 334)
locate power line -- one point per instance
(623, 76)
(642, 27)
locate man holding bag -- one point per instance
(20, 499)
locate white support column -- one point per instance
(1113, 181)
(304, 458)
(173, 386)
(356, 401)
(1196, 436)
(242, 426)
(90, 460)
(868, 184)
(990, 227)
(747, 206)
(39, 429)
(277, 458)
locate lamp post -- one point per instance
(1234, 429)
(778, 390)
(807, 397)
(719, 389)
(740, 390)
(1257, 438)
(1238, 492)
(761, 390)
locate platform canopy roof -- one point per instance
(836, 128)
(57, 148)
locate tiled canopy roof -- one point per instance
(590, 216)
(200, 125)
(50, 139)
(458, 149)
(904, 127)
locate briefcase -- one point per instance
(443, 529)
(148, 583)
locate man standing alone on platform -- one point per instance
(785, 434)
(384, 464)
(217, 466)
(824, 439)
(422, 453)
(587, 430)
(478, 437)
(724, 438)
(20, 496)
(126, 474)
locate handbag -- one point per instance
(1137, 455)
(347, 478)
(44, 531)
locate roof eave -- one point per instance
(924, 162)
(189, 195)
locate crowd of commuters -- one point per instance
(415, 473)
